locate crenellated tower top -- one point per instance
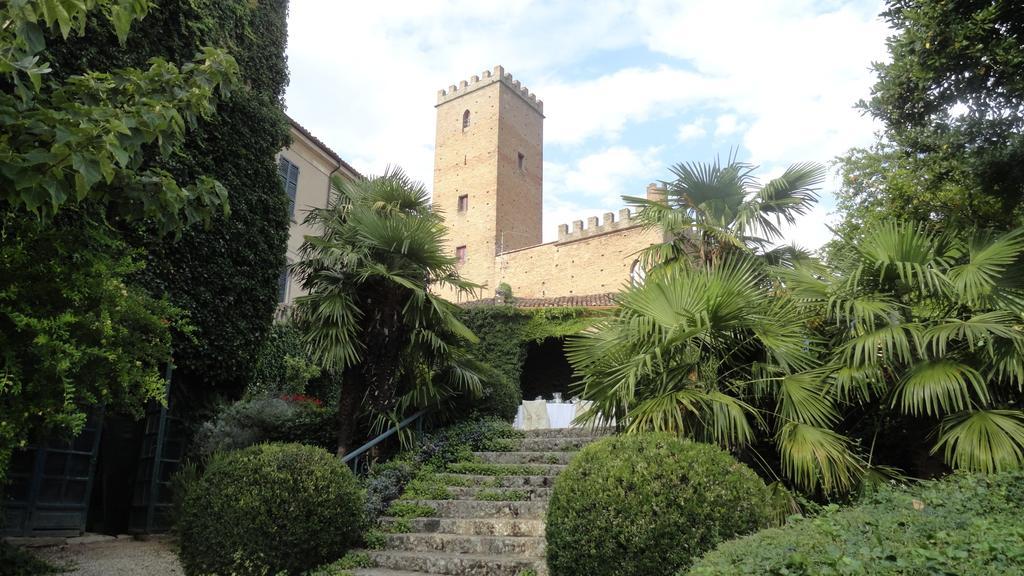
(487, 78)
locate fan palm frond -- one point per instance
(983, 440)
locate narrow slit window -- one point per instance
(520, 161)
(460, 254)
(463, 202)
(465, 120)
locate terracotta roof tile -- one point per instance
(605, 300)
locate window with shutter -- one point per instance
(289, 174)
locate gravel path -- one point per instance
(121, 557)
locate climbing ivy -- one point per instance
(505, 332)
(224, 276)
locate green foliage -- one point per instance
(282, 366)
(952, 102)
(714, 352)
(225, 276)
(711, 210)
(649, 505)
(343, 566)
(369, 317)
(268, 509)
(15, 561)
(407, 509)
(928, 325)
(87, 138)
(80, 155)
(266, 419)
(487, 469)
(433, 453)
(504, 332)
(967, 525)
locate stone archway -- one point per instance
(546, 370)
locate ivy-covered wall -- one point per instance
(224, 276)
(505, 333)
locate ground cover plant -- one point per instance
(269, 509)
(965, 524)
(648, 505)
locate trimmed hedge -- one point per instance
(270, 509)
(647, 505)
(968, 525)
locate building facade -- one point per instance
(489, 184)
(305, 167)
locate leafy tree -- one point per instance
(224, 276)
(369, 317)
(710, 210)
(715, 352)
(76, 159)
(928, 324)
(952, 103)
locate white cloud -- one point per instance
(726, 125)
(691, 131)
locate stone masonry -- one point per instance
(488, 183)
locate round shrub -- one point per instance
(966, 524)
(269, 509)
(647, 505)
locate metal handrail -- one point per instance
(353, 457)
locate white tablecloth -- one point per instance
(559, 414)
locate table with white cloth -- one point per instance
(559, 415)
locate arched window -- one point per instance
(465, 120)
(637, 274)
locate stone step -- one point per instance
(474, 492)
(385, 572)
(531, 546)
(457, 564)
(491, 469)
(556, 444)
(513, 481)
(524, 457)
(567, 432)
(472, 526)
(485, 509)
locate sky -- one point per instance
(629, 88)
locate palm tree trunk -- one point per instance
(352, 392)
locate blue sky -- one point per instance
(629, 88)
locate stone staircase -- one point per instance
(473, 536)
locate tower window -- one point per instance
(520, 160)
(463, 202)
(637, 274)
(460, 254)
(465, 120)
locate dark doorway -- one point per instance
(546, 370)
(115, 472)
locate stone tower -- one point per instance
(488, 160)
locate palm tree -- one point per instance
(715, 352)
(711, 209)
(369, 317)
(930, 325)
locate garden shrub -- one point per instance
(968, 525)
(270, 509)
(432, 454)
(264, 419)
(647, 505)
